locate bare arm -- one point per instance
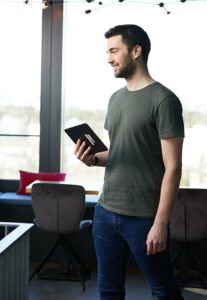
(88, 159)
(172, 157)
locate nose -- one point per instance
(110, 58)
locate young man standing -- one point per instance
(142, 174)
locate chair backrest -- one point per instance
(58, 207)
(189, 216)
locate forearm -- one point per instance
(169, 189)
(172, 158)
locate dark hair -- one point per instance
(132, 35)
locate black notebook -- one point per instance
(86, 134)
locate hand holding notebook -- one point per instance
(86, 134)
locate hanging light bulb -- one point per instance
(28, 2)
(46, 4)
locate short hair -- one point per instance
(132, 35)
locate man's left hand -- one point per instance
(157, 239)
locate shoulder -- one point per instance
(163, 96)
(117, 96)
(162, 91)
(119, 92)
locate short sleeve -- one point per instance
(169, 119)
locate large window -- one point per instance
(177, 59)
(20, 61)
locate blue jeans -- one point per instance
(115, 236)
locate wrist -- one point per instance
(95, 161)
(161, 222)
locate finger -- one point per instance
(149, 248)
(162, 247)
(85, 153)
(159, 247)
(153, 248)
(80, 150)
(77, 146)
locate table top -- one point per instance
(89, 190)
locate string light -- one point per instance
(46, 3)
(162, 5)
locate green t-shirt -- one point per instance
(136, 121)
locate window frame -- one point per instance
(51, 89)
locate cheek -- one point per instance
(121, 60)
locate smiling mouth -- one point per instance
(115, 68)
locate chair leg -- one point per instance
(75, 263)
(81, 271)
(44, 259)
(78, 259)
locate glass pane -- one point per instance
(20, 74)
(177, 60)
(18, 153)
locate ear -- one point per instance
(137, 51)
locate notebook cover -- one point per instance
(85, 133)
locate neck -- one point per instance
(139, 80)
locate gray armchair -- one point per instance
(188, 227)
(59, 209)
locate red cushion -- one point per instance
(28, 177)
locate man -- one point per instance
(143, 171)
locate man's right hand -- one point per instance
(83, 153)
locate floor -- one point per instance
(136, 287)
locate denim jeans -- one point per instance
(115, 236)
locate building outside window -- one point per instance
(177, 59)
(20, 77)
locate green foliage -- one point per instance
(29, 114)
(194, 117)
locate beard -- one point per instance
(127, 70)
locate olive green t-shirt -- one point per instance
(136, 121)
